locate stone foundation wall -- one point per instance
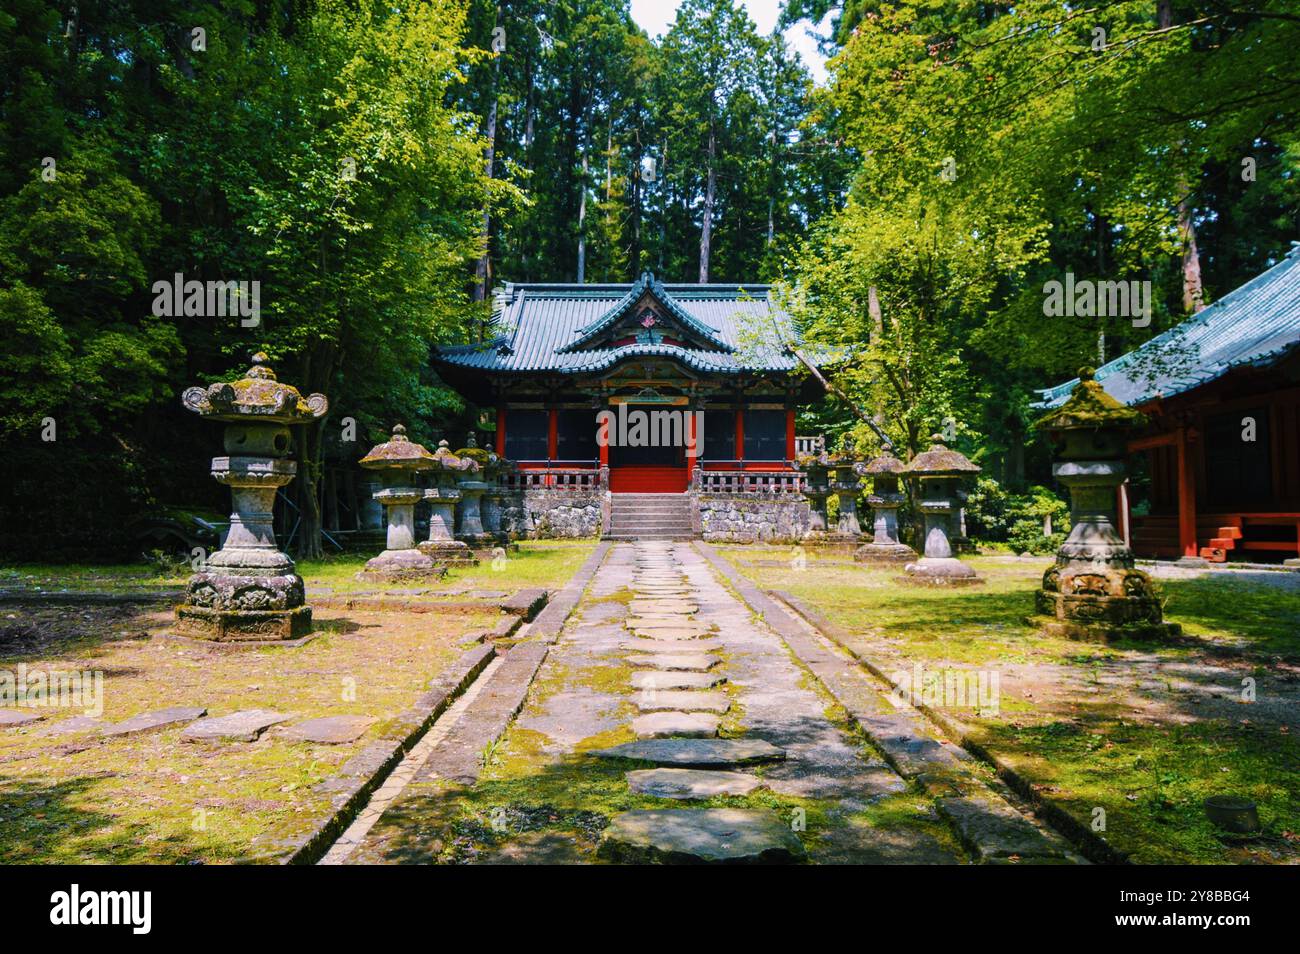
(752, 518)
(553, 513)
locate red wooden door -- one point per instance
(648, 480)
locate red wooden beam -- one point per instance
(1156, 440)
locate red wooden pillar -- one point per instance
(501, 432)
(552, 434)
(603, 444)
(740, 436)
(789, 434)
(692, 448)
(1186, 497)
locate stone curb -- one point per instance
(526, 603)
(900, 735)
(1089, 843)
(457, 757)
(362, 775)
(91, 596)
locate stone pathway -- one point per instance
(670, 723)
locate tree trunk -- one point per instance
(662, 177)
(483, 268)
(706, 232)
(771, 189)
(319, 372)
(582, 221)
(1193, 293)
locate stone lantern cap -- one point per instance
(1089, 408)
(398, 452)
(807, 461)
(939, 461)
(444, 459)
(885, 464)
(256, 398)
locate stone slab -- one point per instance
(672, 647)
(681, 700)
(702, 836)
(69, 726)
(667, 725)
(243, 726)
(993, 829)
(649, 607)
(11, 718)
(154, 721)
(651, 679)
(674, 633)
(695, 753)
(690, 783)
(663, 621)
(687, 662)
(331, 730)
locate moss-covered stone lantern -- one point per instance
(816, 487)
(398, 462)
(845, 486)
(473, 485)
(1093, 591)
(494, 498)
(885, 499)
(939, 473)
(442, 545)
(249, 590)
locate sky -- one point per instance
(654, 16)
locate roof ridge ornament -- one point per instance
(647, 283)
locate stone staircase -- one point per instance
(649, 517)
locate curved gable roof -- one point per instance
(1255, 324)
(544, 327)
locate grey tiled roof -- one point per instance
(542, 327)
(1255, 324)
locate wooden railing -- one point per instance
(553, 478)
(807, 446)
(748, 482)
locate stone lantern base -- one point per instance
(448, 551)
(229, 608)
(1100, 604)
(408, 564)
(940, 571)
(884, 553)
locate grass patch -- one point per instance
(77, 799)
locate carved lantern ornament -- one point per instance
(1093, 591)
(248, 589)
(885, 499)
(939, 473)
(398, 462)
(446, 470)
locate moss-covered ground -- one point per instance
(1144, 732)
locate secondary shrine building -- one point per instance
(1217, 473)
(609, 391)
